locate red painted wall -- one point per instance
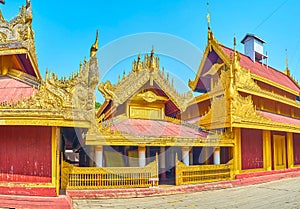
(252, 148)
(296, 144)
(25, 154)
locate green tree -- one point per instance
(97, 105)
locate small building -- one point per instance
(39, 118)
(256, 104)
(141, 117)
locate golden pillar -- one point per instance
(5, 64)
(55, 143)
(290, 150)
(267, 150)
(237, 151)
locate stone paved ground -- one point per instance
(283, 193)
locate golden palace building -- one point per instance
(146, 133)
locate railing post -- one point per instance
(177, 175)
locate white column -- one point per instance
(142, 156)
(217, 156)
(186, 155)
(191, 157)
(162, 158)
(162, 163)
(99, 156)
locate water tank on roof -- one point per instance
(253, 47)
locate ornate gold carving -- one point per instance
(148, 96)
(214, 69)
(136, 79)
(94, 47)
(71, 99)
(244, 82)
(107, 89)
(17, 33)
(146, 113)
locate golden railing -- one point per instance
(66, 168)
(109, 177)
(195, 174)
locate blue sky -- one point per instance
(65, 30)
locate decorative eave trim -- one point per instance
(127, 88)
(268, 95)
(245, 83)
(172, 141)
(40, 121)
(265, 80)
(273, 126)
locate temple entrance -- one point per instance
(167, 163)
(279, 152)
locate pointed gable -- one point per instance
(146, 78)
(17, 47)
(217, 53)
(213, 54)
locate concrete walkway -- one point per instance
(225, 194)
(284, 193)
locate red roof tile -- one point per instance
(154, 128)
(13, 90)
(280, 118)
(262, 70)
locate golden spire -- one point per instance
(152, 59)
(287, 70)
(152, 51)
(94, 47)
(28, 18)
(208, 16)
(235, 55)
(234, 43)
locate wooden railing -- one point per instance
(109, 177)
(195, 174)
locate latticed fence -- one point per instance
(109, 177)
(195, 174)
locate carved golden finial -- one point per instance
(28, 12)
(208, 16)
(234, 43)
(80, 66)
(287, 70)
(139, 58)
(94, 47)
(136, 65)
(1, 17)
(152, 51)
(47, 74)
(124, 75)
(235, 55)
(152, 58)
